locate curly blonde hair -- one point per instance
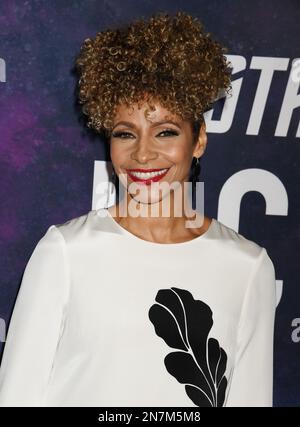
(166, 58)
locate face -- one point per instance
(161, 143)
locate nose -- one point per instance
(143, 152)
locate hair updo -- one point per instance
(169, 58)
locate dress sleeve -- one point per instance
(36, 324)
(252, 379)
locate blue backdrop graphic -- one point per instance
(47, 155)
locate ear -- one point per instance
(201, 142)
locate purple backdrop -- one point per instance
(47, 155)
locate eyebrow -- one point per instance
(154, 124)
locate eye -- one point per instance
(120, 134)
(171, 132)
(124, 135)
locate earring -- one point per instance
(113, 179)
(196, 168)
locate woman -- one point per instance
(128, 305)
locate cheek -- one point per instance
(180, 156)
(118, 154)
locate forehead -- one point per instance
(141, 112)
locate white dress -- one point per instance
(105, 318)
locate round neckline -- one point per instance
(148, 242)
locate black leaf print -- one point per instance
(184, 323)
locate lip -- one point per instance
(148, 180)
(144, 170)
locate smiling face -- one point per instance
(162, 144)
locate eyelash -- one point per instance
(119, 134)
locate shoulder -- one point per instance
(84, 227)
(238, 247)
(249, 261)
(72, 227)
(58, 234)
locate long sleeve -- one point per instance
(36, 324)
(252, 380)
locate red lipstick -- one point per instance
(146, 181)
(144, 170)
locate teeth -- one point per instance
(145, 175)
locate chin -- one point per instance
(153, 198)
(145, 200)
